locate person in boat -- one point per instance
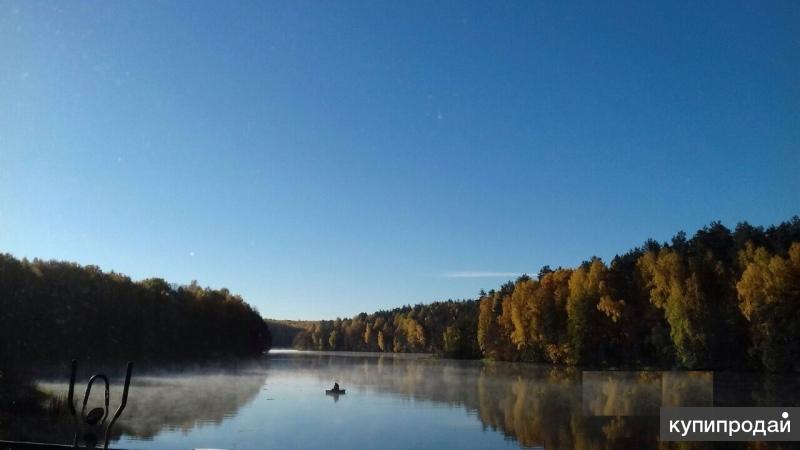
(335, 387)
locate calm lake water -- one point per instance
(395, 402)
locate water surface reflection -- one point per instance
(419, 402)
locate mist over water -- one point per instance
(411, 401)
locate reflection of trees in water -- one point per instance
(687, 389)
(544, 406)
(156, 403)
(539, 405)
(755, 389)
(549, 406)
(184, 401)
(535, 405)
(531, 404)
(622, 393)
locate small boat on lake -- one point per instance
(334, 392)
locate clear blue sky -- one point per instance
(327, 158)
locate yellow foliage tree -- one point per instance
(769, 296)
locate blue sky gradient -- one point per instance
(328, 158)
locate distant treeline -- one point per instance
(720, 299)
(284, 332)
(54, 311)
(447, 328)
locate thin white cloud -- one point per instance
(480, 274)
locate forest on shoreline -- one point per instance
(720, 299)
(53, 311)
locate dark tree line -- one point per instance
(720, 299)
(54, 311)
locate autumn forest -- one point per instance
(719, 299)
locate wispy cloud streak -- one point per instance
(479, 274)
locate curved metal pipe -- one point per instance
(121, 405)
(89, 390)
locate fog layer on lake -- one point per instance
(403, 402)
